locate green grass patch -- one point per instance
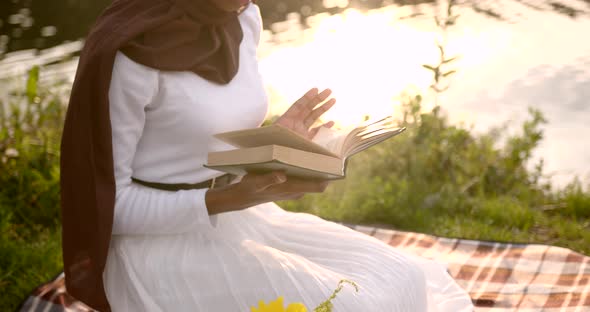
(28, 258)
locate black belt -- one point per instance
(211, 183)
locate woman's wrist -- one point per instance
(223, 199)
(254, 189)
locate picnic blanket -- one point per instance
(498, 276)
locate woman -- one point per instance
(142, 228)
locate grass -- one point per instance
(27, 261)
(436, 178)
(500, 219)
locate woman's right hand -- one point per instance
(255, 189)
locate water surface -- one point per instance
(531, 59)
(528, 58)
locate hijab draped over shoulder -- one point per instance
(177, 35)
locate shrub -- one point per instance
(30, 244)
(443, 179)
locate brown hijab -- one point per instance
(182, 35)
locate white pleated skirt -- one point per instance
(264, 252)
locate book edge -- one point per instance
(276, 152)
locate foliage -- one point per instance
(29, 154)
(28, 258)
(442, 179)
(327, 305)
(30, 130)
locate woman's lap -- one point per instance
(259, 254)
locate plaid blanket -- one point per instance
(498, 276)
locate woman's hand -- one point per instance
(256, 189)
(303, 114)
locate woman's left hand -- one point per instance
(303, 114)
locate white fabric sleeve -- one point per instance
(139, 209)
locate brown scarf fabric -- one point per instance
(180, 35)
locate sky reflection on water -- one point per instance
(536, 60)
(533, 59)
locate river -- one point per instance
(530, 58)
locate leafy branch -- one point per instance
(327, 305)
(440, 71)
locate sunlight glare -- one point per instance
(367, 59)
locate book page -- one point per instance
(369, 139)
(343, 141)
(272, 135)
(363, 131)
(331, 139)
(332, 142)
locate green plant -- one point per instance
(30, 130)
(443, 179)
(30, 244)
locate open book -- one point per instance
(274, 147)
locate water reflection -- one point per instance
(357, 55)
(530, 58)
(537, 59)
(26, 24)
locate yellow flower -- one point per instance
(296, 307)
(277, 306)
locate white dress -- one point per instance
(168, 254)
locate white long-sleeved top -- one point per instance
(162, 126)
